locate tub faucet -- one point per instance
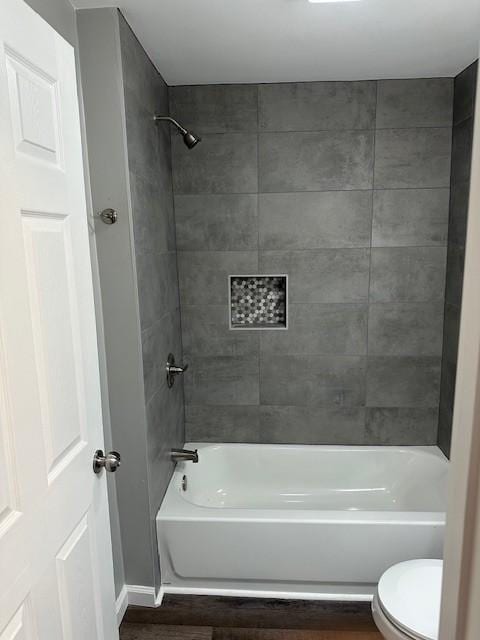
(178, 455)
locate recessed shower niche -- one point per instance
(258, 301)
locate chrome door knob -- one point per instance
(109, 462)
(108, 216)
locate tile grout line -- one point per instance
(263, 132)
(318, 249)
(326, 303)
(259, 337)
(370, 261)
(193, 194)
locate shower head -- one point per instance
(189, 138)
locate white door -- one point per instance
(56, 578)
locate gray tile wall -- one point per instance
(345, 187)
(463, 112)
(150, 177)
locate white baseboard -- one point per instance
(140, 596)
(145, 596)
(137, 595)
(121, 604)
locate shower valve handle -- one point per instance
(173, 370)
(178, 370)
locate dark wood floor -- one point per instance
(212, 618)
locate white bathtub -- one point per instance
(317, 522)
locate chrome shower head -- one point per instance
(189, 138)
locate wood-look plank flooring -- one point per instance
(213, 618)
(134, 631)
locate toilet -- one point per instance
(406, 604)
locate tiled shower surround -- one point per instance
(154, 254)
(344, 186)
(463, 112)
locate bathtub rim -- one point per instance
(428, 449)
(175, 507)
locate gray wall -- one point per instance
(150, 177)
(105, 126)
(463, 113)
(130, 171)
(345, 187)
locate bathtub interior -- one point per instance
(237, 476)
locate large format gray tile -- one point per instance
(419, 102)
(451, 332)
(148, 145)
(312, 425)
(403, 381)
(454, 279)
(206, 332)
(219, 108)
(321, 381)
(203, 275)
(216, 222)
(157, 286)
(457, 224)
(152, 215)
(411, 158)
(445, 421)
(221, 163)
(158, 341)
(138, 73)
(447, 385)
(222, 423)
(314, 220)
(314, 106)
(410, 217)
(408, 274)
(222, 380)
(320, 329)
(324, 275)
(405, 329)
(450, 354)
(165, 430)
(401, 426)
(449, 373)
(465, 89)
(318, 161)
(462, 151)
(160, 174)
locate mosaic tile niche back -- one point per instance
(258, 302)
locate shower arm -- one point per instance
(173, 121)
(190, 139)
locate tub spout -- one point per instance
(178, 455)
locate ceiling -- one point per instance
(229, 41)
